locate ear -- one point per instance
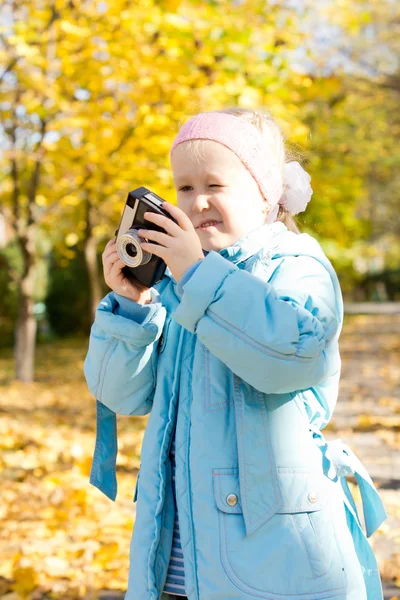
(265, 209)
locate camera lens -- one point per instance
(131, 250)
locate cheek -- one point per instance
(184, 206)
(235, 213)
(229, 207)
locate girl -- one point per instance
(235, 356)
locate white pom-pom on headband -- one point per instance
(244, 139)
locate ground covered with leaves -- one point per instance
(61, 538)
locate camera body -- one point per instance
(141, 266)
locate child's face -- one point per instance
(217, 187)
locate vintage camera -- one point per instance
(141, 266)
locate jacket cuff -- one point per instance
(201, 289)
(141, 313)
(127, 328)
(185, 278)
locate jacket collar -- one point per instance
(264, 237)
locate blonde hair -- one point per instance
(269, 128)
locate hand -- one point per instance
(116, 280)
(179, 247)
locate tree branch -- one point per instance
(34, 181)
(9, 67)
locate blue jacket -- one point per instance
(243, 352)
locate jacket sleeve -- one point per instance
(279, 336)
(120, 365)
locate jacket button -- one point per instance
(232, 499)
(313, 497)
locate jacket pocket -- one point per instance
(294, 553)
(136, 487)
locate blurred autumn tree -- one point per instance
(375, 77)
(352, 110)
(91, 96)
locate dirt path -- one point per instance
(367, 418)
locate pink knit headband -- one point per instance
(245, 141)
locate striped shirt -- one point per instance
(175, 582)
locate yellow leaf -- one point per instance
(72, 29)
(70, 200)
(171, 5)
(25, 50)
(250, 97)
(26, 580)
(85, 465)
(55, 566)
(106, 553)
(71, 239)
(41, 200)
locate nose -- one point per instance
(200, 203)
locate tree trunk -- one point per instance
(93, 272)
(25, 333)
(25, 339)
(90, 250)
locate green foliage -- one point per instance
(68, 296)
(113, 107)
(8, 298)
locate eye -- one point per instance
(185, 187)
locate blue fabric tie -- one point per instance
(345, 462)
(103, 472)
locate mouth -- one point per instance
(209, 225)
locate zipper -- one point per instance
(154, 548)
(194, 561)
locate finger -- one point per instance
(111, 242)
(183, 220)
(113, 256)
(159, 251)
(156, 236)
(116, 275)
(110, 261)
(117, 267)
(164, 222)
(108, 249)
(107, 253)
